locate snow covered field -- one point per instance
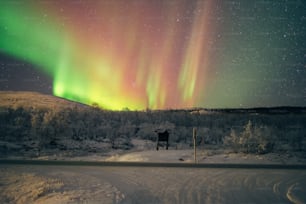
(144, 151)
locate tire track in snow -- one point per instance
(176, 185)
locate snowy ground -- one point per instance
(66, 184)
(60, 184)
(144, 151)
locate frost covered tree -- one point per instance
(247, 140)
(256, 139)
(232, 141)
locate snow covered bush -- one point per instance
(253, 139)
(232, 141)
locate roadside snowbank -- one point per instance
(144, 151)
(205, 157)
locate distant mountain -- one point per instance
(15, 99)
(258, 110)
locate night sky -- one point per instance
(157, 54)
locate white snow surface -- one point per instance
(144, 151)
(68, 184)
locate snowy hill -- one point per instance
(15, 99)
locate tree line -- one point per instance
(241, 131)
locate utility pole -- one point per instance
(194, 131)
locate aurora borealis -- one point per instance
(162, 54)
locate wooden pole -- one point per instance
(194, 132)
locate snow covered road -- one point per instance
(80, 184)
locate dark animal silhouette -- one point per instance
(162, 137)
